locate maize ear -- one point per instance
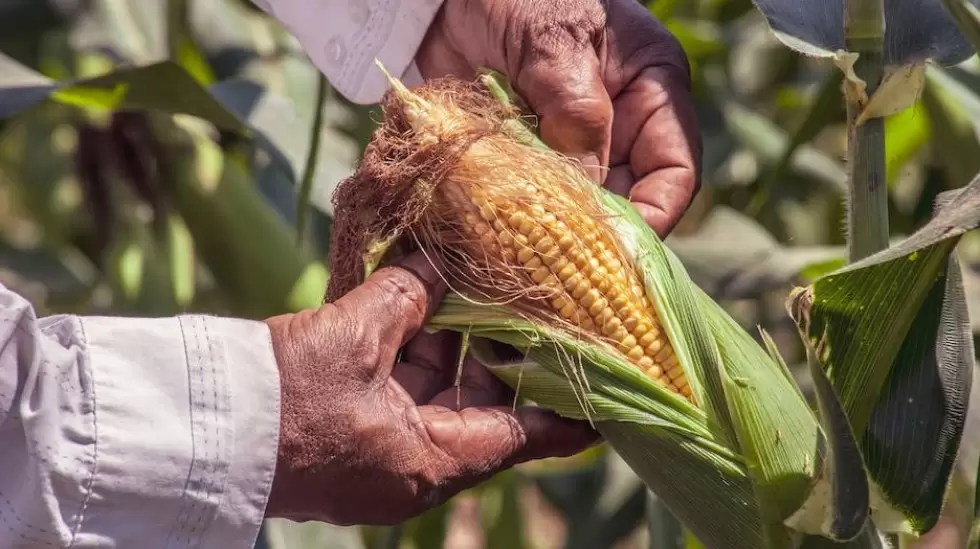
(580, 277)
(510, 221)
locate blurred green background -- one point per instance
(185, 198)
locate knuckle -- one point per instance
(639, 41)
(358, 335)
(400, 291)
(549, 31)
(674, 57)
(590, 112)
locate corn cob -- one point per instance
(578, 274)
(515, 221)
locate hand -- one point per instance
(609, 84)
(368, 438)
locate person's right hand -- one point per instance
(368, 438)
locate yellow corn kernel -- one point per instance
(584, 280)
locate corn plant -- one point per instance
(204, 97)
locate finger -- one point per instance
(428, 365)
(655, 151)
(477, 387)
(563, 85)
(393, 303)
(482, 441)
(659, 166)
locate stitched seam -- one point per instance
(213, 487)
(95, 435)
(366, 40)
(187, 504)
(20, 316)
(277, 410)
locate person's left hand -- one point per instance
(374, 429)
(608, 83)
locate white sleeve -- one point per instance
(344, 37)
(134, 432)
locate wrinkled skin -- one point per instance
(370, 439)
(608, 83)
(371, 432)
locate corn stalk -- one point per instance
(867, 218)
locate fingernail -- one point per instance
(592, 167)
(421, 266)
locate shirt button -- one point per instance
(359, 12)
(335, 51)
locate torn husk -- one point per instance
(512, 224)
(540, 258)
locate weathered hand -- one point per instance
(608, 83)
(370, 438)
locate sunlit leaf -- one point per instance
(967, 18)
(915, 30)
(819, 115)
(183, 49)
(953, 110)
(892, 332)
(768, 142)
(733, 257)
(906, 134)
(285, 534)
(284, 135)
(161, 86)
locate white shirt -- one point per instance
(344, 38)
(162, 433)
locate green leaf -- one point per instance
(139, 272)
(275, 122)
(665, 531)
(573, 493)
(37, 155)
(974, 536)
(64, 276)
(906, 133)
(952, 109)
(182, 260)
(731, 256)
(891, 332)
(430, 528)
(163, 86)
(500, 504)
(20, 87)
(309, 172)
(663, 10)
(248, 248)
(601, 502)
(838, 506)
(767, 141)
(967, 18)
(820, 114)
(914, 30)
(285, 534)
(183, 49)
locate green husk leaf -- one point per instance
(838, 507)
(892, 336)
(651, 427)
(733, 467)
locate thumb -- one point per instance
(481, 441)
(396, 301)
(566, 92)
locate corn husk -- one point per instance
(734, 465)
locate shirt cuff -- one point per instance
(187, 443)
(343, 38)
